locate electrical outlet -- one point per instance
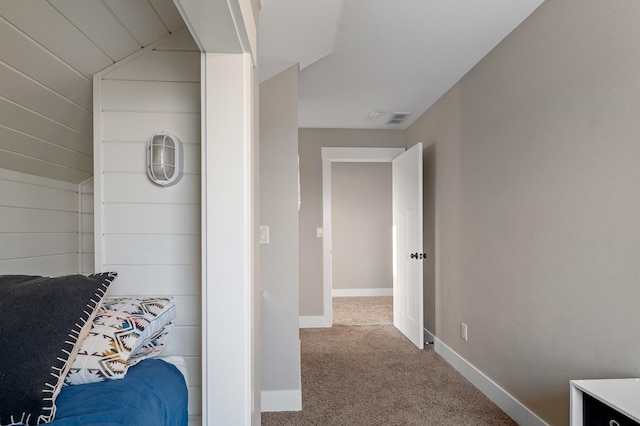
(463, 331)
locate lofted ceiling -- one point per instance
(49, 52)
(362, 60)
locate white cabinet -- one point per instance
(608, 402)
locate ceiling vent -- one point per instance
(398, 117)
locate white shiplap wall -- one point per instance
(48, 55)
(38, 225)
(150, 234)
(85, 226)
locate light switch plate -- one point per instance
(264, 234)
(319, 232)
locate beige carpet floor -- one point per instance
(363, 310)
(372, 375)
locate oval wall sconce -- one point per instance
(164, 159)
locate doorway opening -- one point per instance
(362, 219)
(410, 283)
(344, 155)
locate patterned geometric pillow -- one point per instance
(125, 331)
(42, 320)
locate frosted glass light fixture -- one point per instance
(164, 159)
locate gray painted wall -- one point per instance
(361, 224)
(310, 142)
(538, 204)
(279, 210)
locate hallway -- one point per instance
(373, 375)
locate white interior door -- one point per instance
(407, 250)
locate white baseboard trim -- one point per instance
(311, 322)
(514, 408)
(290, 400)
(428, 336)
(361, 292)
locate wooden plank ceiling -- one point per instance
(49, 51)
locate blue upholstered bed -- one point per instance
(62, 330)
(152, 393)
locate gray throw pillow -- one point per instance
(42, 322)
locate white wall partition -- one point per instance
(147, 233)
(38, 225)
(228, 208)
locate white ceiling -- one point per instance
(356, 57)
(362, 56)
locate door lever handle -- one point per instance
(418, 255)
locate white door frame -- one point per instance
(342, 155)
